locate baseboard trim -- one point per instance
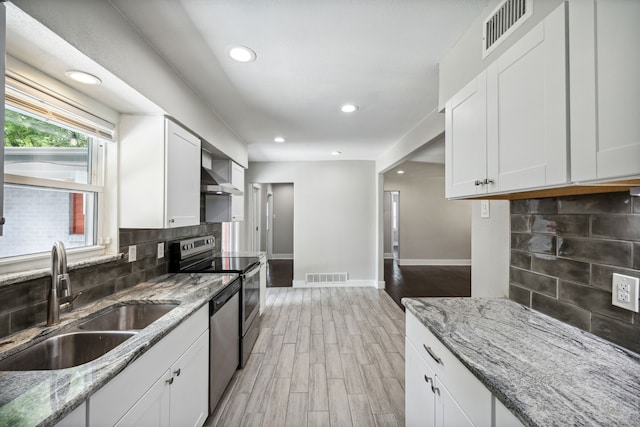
(349, 284)
(281, 256)
(388, 255)
(461, 262)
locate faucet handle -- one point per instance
(65, 284)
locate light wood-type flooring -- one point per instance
(324, 357)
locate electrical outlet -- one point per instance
(132, 253)
(625, 291)
(160, 250)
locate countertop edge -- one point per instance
(104, 370)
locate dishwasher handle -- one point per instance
(219, 300)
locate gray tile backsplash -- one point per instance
(23, 305)
(564, 252)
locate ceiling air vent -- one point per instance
(505, 18)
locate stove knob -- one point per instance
(185, 247)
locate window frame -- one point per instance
(102, 132)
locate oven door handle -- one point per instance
(255, 270)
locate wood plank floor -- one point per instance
(324, 357)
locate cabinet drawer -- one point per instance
(472, 396)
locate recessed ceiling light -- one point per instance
(242, 54)
(349, 108)
(278, 139)
(82, 77)
(401, 172)
(336, 153)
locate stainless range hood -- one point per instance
(213, 184)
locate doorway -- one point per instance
(391, 224)
(274, 222)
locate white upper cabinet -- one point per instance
(466, 140)
(507, 129)
(605, 89)
(527, 109)
(159, 169)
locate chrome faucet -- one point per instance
(60, 284)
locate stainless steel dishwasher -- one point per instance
(224, 341)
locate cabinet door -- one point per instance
(153, 408)
(420, 400)
(605, 89)
(237, 202)
(77, 418)
(189, 390)
(182, 177)
(466, 140)
(448, 412)
(527, 109)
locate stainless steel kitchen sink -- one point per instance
(93, 338)
(127, 317)
(65, 351)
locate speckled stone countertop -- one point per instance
(546, 372)
(31, 398)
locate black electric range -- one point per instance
(196, 255)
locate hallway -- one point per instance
(324, 356)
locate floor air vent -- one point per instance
(324, 278)
(505, 18)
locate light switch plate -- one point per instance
(160, 250)
(625, 291)
(484, 209)
(132, 253)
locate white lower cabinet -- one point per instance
(77, 418)
(440, 391)
(173, 400)
(167, 386)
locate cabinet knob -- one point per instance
(169, 381)
(177, 372)
(172, 220)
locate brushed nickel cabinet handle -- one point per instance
(177, 372)
(432, 354)
(428, 379)
(435, 390)
(169, 381)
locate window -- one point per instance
(54, 174)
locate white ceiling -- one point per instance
(312, 56)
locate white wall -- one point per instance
(283, 217)
(433, 230)
(334, 215)
(99, 31)
(490, 250)
(464, 61)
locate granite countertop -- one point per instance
(30, 398)
(546, 372)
